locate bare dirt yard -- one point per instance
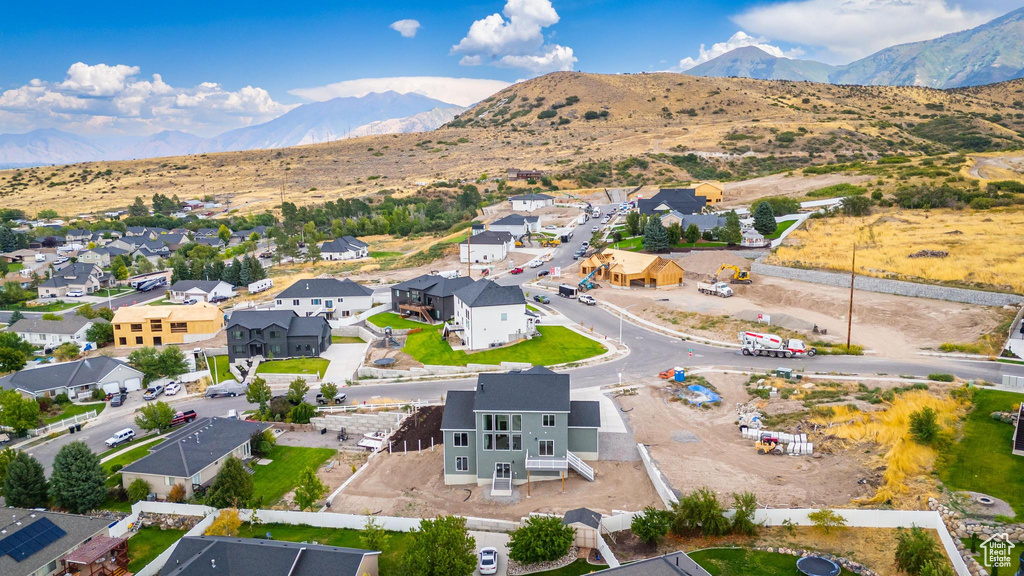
(904, 325)
(413, 485)
(743, 193)
(703, 447)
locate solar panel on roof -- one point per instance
(31, 539)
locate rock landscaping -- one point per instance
(847, 564)
(168, 521)
(961, 528)
(515, 568)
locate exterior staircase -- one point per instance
(581, 467)
(501, 486)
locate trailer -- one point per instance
(720, 289)
(566, 291)
(151, 284)
(260, 286)
(758, 344)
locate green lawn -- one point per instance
(577, 568)
(15, 267)
(735, 561)
(128, 457)
(74, 410)
(783, 226)
(112, 292)
(347, 340)
(276, 479)
(294, 366)
(395, 321)
(136, 442)
(219, 366)
(162, 302)
(636, 244)
(148, 543)
(343, 537)
(557, 345)
(56, 306)
(981, 460)
(382, 255)
(532, 308)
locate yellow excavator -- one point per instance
(738, 276)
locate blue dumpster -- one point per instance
(680, 374)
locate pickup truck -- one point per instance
(183, 417)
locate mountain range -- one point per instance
(374, 113)
(992, 52)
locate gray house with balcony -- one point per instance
(429, 297)
(276, 334)
(518, 427)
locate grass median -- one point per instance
(556, 345)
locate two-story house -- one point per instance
(516, 224)
(518, 427)
(46, 334)
(327, 297)
(101, 256)
(488, 314)
(486, 247)
(276, 334)
(429, 297)
(161, 325)
(344, 248)
(83, 277)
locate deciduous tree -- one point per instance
(441, 547)
(297, 390)
(259, 392)
(540, 539)
(225, 524)
(155, 416)
(309, 490)
(18, 412)
(651, 526)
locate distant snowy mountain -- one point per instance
(166, 143)
(48, 146)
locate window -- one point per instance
(548, 420)
(502, 442)
(258, 331)
(275, 349)
(517, 441)
(136, 327)
(239, 349)
(461, 439)
(488, 441)
(501, 422)
(330, 303)
(279, 302)
(168, 481)
(182, 327)
(504, 316)
(462, 464)
(273, 333)
(138, 339)
(198, 478)
(158, 341)
(295, 302)
(547, 447)
(122, 341)
(316, 301)
(517, 423)
(488, 422)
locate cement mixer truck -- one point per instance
(757, 344)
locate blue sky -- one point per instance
(258, 59)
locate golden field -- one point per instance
(984, 247)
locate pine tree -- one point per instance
(692, 234)
(244, 279)
(232, 486)
(731, 233)
(655, 236)
(25, 485)
(78, 481)
(764, 219)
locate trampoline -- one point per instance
(817, 566)
(384, 362)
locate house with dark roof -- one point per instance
(276, 334)
(703, 222)
(327, 297)
(79, 235)
(240, 236)
(486, 247)
(222, 556)
(199, 290)
(429, 297)
(80, 276)
(681, 200)
(516, 224)
(518, 427)
(75, 378)
(344, 248)
(48, 334)
(488, 315)
(193, 454)
(174, 241)
(101, 256)
(674, 564)
(531, 202)
(36, 543)
(213, 241)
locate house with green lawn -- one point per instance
(221, 556)
(518, 427)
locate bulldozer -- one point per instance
(738, 276)
(550, 242)
(769, 445)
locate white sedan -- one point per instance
(172, 389)
(488, 560)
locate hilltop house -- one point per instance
(74, 378)
(517, 174)
(327, 297)
(276, 334)
(631, 269)
(486, 247)
(162, 325)
(517, 225)
(37, 542)
(48, 334)
(682, 201)
(488, 315)
(518, 427)
(344, 248)
(221, 556)
(193, 454)
(80, 276)
(531, 202)
(199, 290)
(430, 297)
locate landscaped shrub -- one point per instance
(302, 413)
(177, 493)
(699, 512)
(98, 394)
(540, 539)
(915, 548)
(116, 468)
(827, 520)
(138, 490)
(924, 425)
(45, 403)
(941, 377)
(651, 526)
(62, 399)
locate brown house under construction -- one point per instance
(632, 269)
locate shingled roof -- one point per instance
(535, 390)
(195, 446)
(484, 292)
(325, 288)
(222, 556)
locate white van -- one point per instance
(40, 257)
(120, 437)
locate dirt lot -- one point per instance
(723, 460)
(743, 193)
(413, 485)
(904, 324)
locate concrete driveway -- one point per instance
(498, 540)
(345, 359)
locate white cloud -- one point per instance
(99, 97)
(407, 27)
(738, 40)
(515, 39)
(846, 30)
(460, 91)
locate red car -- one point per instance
(517, 270)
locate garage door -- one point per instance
(133, 384)
(112, 387)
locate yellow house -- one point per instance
(160, 325)
(712, 191)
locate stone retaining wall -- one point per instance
(962, 528)
(886, 286)
(359, 424)
(846, 563)
(428, 370)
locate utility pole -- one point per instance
(849, 320)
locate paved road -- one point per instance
(136, 297)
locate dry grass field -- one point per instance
(777, 124)
(983, 247)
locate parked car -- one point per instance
(183, 417)
(75, 294)
(172, 389)
(517, 270)
(120, 437)
(339, 398)
(587, 299)
(152, 392)
(542, 299)
(189, 301)
(595, 228)
(488, 560)
(118, 399)
(551, 227)
(217, 299)
(585, 245)
(543, 273)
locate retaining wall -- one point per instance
(668, 497)
(886, 286)
(358, 424)
(428, 370)
(357, 331)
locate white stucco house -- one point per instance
(199, 290)
(327, 297)
(486, 247)
(531, 202)
(344, 248)
(487, 314)
(516, 224)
